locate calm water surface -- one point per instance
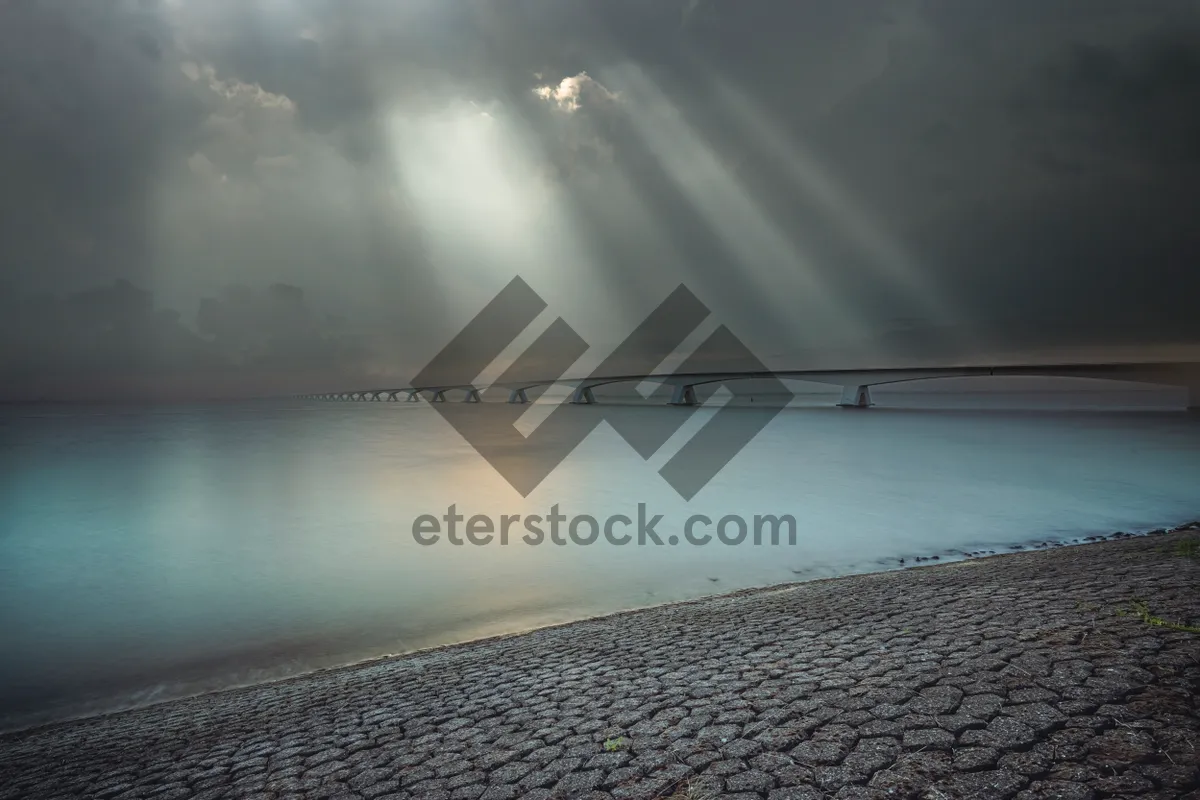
(150, 552)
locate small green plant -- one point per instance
(616, 745)
(1188, 548)
(1141, 609)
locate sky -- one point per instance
(260, 195)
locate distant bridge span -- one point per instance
(856, 383)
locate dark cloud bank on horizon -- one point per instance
(221, 197)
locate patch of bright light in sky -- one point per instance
(470, 180)
(489, 211)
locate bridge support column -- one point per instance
(583, 396)
(376, 396)
(856, 397)
(472, 396)
(683, 396)
(414, 396)
(518, 396)
(439, 396)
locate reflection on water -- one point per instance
(147, 552)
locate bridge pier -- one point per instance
(856, 397)
(583, 396)
(439, 396)
(472, 396)
(683, 396)
(414, 396)
(518, 396)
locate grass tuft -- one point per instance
(693, 790)
(1188, 548)
(1141, 609)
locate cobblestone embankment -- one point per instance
(1034, 675)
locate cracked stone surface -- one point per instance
(1020, 676)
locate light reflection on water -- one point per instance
(147, 552)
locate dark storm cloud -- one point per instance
(1066, 196)
(87, 112)
(1035, 158)
(1028, 165)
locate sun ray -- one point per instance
(787, 286)
(883, 252)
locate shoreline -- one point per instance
(891, 564)
(1064, 672)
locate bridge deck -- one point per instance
(855, 382)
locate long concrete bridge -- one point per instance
(855, 383)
